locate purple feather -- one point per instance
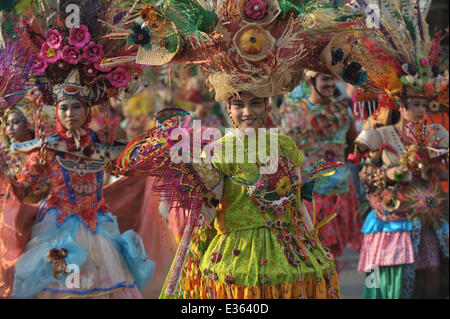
(419, 20)
(15, 70)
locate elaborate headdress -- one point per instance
(408, 61)
(76, 58)
(257, 46)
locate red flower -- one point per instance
(256, 9)
(119, 77)
(54, 38)
(71, 55)
(49, 54)
(428, 88)
(79, 37)
(93, 52)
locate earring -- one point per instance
(232, 121)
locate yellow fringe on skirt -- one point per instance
(310, 288)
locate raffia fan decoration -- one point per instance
(154, 36)
(104, 64)
(258, 46)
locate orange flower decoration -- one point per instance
(428, 88)
(252, 41)
(152, 18)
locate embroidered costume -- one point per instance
(262, 245)
(320, 131)
(75, 249)
(407, 229)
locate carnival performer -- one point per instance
(263, 244)
(73, 225)
(74, 233)
(406, 233)
(324, 128)
(17, 126)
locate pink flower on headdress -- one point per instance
(119, 77)
(93, 52)
(256, 9)
(420, 156)
(54, 38)
(71, 55)
(424, 61)
(48, 54)
(79, 37)
(39, 64)
(100, 68)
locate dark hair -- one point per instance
(395, 117)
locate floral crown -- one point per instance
(60, 49)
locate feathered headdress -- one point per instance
(15, 74)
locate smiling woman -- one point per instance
(248, 111)
(264, 244)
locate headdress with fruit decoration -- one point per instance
(408, 57)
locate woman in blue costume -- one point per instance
(76, 249)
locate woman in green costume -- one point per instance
(263, 243)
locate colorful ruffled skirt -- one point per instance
(101, 264)
(343, 230)
(251, 264)
(394, 250)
